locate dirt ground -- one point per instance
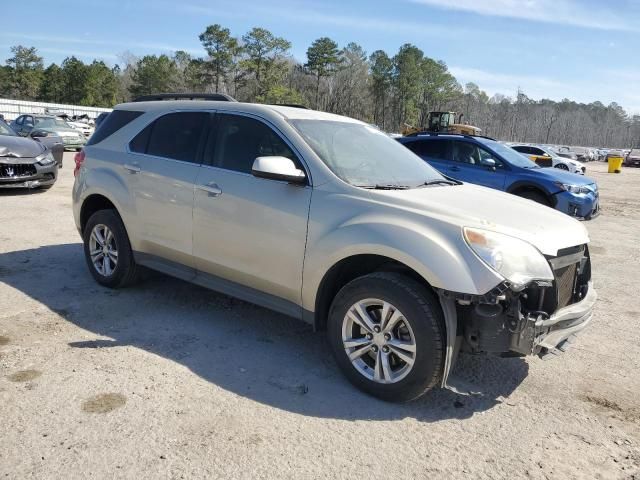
(168, 380)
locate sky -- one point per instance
(584, 50)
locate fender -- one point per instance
(443, 263)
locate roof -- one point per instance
(287, 112)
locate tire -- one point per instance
(421, 325)
(535, 196)
(562, 166)
(121, 272)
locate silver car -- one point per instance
(327, 219)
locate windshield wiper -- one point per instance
(438, 182)
(389, 186)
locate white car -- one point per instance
(563, 163)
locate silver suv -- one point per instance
(329, 220)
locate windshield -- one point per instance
(364, 156)
(6, 129)
(508, 153)
(48, 122)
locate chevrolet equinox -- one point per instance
(327, 219)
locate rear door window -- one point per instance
(176, 136)
(140, 142)
(436, 150)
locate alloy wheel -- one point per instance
(103, 250)
(379, 341)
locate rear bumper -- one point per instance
(73, 142)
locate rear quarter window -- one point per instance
(114, 122)
(174, 135)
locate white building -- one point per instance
(11, 109)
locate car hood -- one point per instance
(19, 147)
(556, 175)
(473, 206)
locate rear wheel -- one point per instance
(386, 333)
(562, 166)
(107, 250)
(535, 196)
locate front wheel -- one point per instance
(107, 250)
(535, 196)
(386, 333)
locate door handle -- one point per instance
(132, 168)
(211, 188)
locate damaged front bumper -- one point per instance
(543, 319)
(553, 335)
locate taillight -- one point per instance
(79, 159)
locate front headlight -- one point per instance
(45, 159)
(572, 188)
(517, 261)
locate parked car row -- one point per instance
(547, 157)
(632, 159)
(42, 126)
(399, 257)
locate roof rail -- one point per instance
(292, 105)
(424, 132)
(220, 97)
(435, 134)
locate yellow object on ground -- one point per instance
(615, 164)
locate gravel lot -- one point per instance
(168, 380)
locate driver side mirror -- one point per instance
(490, 163)
(278, 168)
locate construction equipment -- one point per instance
(443, 122)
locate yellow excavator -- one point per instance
(443, 122)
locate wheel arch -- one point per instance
(91, 204)
(350, 268)
(522, 186)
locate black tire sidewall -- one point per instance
(535, 197)
(125, 255)
(424, 314)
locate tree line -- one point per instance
(391, 91)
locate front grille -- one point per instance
(17, 170)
